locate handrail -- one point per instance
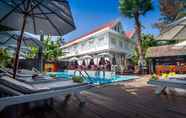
(98, 71)
(82, 75)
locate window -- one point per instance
(121, 44)
(101, 38)
(113, 41)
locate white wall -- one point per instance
(118, 43)
(98, 43)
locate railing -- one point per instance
(85, 75)
(98, 73)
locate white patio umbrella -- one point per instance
(105, 55)
(8, 40)
(73, 59)
(86, 58)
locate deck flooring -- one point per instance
(125, 100)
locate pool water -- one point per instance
(94, 79)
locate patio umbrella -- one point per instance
(102, 61)
(91, 62)
(87, 57)
(73, 59)
(83, 63)
(8, 39)
(36, 16)
(105, 55)
(114, 61)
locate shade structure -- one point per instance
(84, 63)
(114, 61)
(46, 16)
(91, 62)
(8, 39)
(73, 59)
(36, 16)
(102, 61)
(86, 57)
(105, 55)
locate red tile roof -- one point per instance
(128, 34)
(107, 25)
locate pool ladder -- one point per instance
(98, 73)
(83, 74)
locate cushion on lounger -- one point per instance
(20, 86)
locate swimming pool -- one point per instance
(93, 77)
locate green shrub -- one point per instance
(77, 79)
(53, 75)
(154, 77)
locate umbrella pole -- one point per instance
(16, 60)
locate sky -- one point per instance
(90, 14)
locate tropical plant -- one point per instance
(77, 79)
(4, 57)
(32, 53)
(52, 49)
(134, 9)
(147, 41)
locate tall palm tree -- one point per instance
(134, 9)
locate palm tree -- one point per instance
(134, 9)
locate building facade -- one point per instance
(170, 55)
(109, 42)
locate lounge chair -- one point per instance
(163, 84)
(24, 92)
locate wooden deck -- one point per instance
(132, 99)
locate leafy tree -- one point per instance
(4, 57)
(134, 9)
(33, 52)
(52, 49)
(147, 41)
(172, 10)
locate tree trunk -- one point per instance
(138, 30)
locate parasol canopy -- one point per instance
(8, 39)
(91, 62)
(73, 59)
(114, 61)
(105, 55)
(42, 16)
(36, 16)
(86, 57)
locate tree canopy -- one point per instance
(172, 10)
(134, 9)
(52, 49)
(147, 41)
(130, 7)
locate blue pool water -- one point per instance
(94, 79)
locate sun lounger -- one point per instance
(163, 84)
(21, 92)
(178, 76)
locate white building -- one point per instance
(109, 41)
